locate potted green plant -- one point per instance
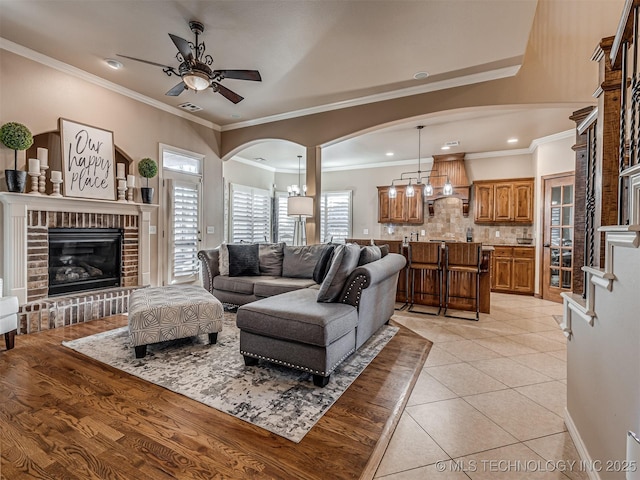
(16, 137)
(147, 168)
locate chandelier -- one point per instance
(415, 178)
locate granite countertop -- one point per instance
(511, 245)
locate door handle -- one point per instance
(546, 245)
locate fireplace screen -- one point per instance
(83, 259)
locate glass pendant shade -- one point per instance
(448, 188)
(410, 191)
(393, 193)
(428, 190)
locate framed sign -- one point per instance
(88, 161)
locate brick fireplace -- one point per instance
(25, 261)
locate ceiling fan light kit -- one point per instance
(195, 68)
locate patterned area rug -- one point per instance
(281, 400)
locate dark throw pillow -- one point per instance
(368, 254)
(244, 260)
(322, 267)
(384, 250)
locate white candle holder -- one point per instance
(34, 183)
(121, 191)
(56, 188)
(130, 194)
(42, 180)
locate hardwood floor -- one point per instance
(64, 415)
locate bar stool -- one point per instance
(463, 258)
(426, 258)
(402, 294)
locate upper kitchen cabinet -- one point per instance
(401, 209)
(504, 201)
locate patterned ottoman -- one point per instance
(167, 313)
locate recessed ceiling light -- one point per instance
(115, 64)
(445, 147)
(389, 154)
(420, 75)
(512, 140)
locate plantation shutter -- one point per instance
(285, 223)
(185, 230)
(335, 216)
(250, 219)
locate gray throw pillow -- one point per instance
(345, 260)
(271, 257)
(223, 259)
(243, 260)
(368, 254)
(299, 262)
(384, 250)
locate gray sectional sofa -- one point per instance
(325, 304)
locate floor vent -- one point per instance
(190, 107)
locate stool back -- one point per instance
(463, 254)
(425, 253)
(395, 246)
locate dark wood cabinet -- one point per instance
(504, 201)
(513, 270)
(401, 209)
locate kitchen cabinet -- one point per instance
(513, 269)
(401, 209)
(504, 201)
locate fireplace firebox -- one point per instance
(84, 259)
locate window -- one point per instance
(184, 236)
(250, 219)
(285, 223)
(182, 186)
(335, 216)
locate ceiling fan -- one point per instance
(195, 68)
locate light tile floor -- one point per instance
(490, 400)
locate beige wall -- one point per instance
(251, 176)
(38, 96)
(550, 158)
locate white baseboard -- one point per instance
(580, 446)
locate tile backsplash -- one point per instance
(448, 223)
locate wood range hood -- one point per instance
(451, 166)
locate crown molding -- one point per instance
(253, 163)
(536, 142)
(405, 92)
(498, 153)
(25, 52)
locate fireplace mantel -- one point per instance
(14, 235)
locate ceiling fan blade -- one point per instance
(183, 47)
(226, 93)
(253, 75)
(177, 90)
(143, 61)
